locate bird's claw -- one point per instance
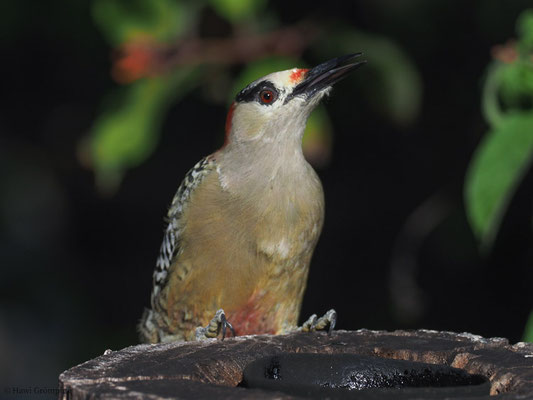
(309, 325)
(217, 324)
(326, 322)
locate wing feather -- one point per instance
(170, 247)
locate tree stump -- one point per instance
(215, 368)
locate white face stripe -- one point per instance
(288, 78)
(283, 82)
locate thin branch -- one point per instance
(144, 57)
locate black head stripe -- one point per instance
(247, 94)
(252, 91)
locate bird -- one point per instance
(243, 224)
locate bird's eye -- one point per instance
(266, 96)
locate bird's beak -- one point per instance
(325, 75)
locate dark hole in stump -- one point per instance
(360, 377)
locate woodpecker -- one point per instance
(244, 222)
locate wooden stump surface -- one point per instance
(214, 368)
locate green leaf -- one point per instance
(123, 20)
(490, 99)
(524, 28)
(124, 135)
(516, 83)
(496, 169)
(506, 86)
(528, 332)
(238, 10)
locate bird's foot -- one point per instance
(325, 323)
(217, 324)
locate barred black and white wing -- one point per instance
(170, 248)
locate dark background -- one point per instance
(76, 266)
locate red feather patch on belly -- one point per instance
(252, 318)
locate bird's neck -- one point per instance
(273, 161)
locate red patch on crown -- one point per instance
(296, 75)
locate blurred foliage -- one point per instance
(524, 28)
(500, 161)
(237, 10)
(505, 153)
(121, 21)
(124, 135)
(126, 132)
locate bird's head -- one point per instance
(274, 109)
